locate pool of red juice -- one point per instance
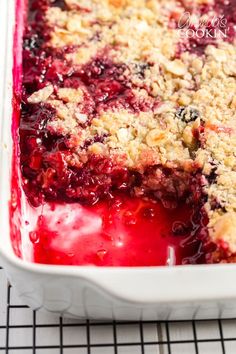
(122, 232)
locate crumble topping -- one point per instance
(132, 96)
(133, 30)
(41, 95)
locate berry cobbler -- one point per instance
(134, 99)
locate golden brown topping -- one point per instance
(41, 95)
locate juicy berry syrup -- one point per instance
(124, 232)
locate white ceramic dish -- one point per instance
(182, 292)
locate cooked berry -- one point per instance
(187, 114)
(180, 229)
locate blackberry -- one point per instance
(141, 68)
(187, 114)
(213, 175)
(32, 42)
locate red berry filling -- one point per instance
(125, 199)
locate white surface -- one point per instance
(74, 333)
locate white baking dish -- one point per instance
(182, 292)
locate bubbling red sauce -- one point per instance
(124, 232)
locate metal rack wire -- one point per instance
(23, 331)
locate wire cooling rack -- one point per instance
(23, 331)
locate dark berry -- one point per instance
(187, 114)
(179, 228)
